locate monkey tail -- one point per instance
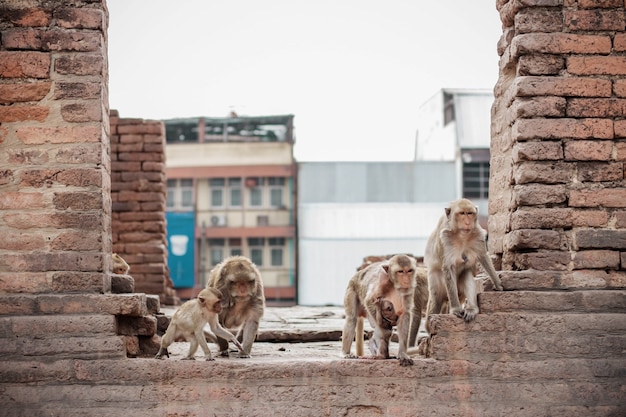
(359, 336)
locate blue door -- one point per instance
(180, 248)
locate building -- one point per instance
(349, 210)
(232, 190)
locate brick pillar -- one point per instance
(55, 232)
(138, 188)
(557, 191)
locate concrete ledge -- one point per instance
(235, 387)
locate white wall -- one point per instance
(334, 239)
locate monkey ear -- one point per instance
(386, 267)
(202, 301)
(476, 207)
(448, 212)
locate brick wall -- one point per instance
(55, 181)
(558, 190)
(138, 188)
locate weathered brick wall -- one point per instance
(55, 180)
(138, 188)
(557, 190)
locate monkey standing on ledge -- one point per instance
(241, 286)
(369, 294)
(453, 252)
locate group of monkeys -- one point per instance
(395, 291)
(388, 293)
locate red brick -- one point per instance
(9, 114)
(542, 20)
(15, 305)
(71, 134)
(73, 90)
(594, 19)
(24, 92)
(590, 218)
(620, 148)
(74, 176)
(588, 150)
(77, 240)
(26, 220)
(79, 154)
(538, 107)
(608, 197)
(544, 173)
(154, 128)
(619, 42)
(153, 166)
(24, 65)
(77, 200)
(16, 200)
(540, 64)
(77, 18)
(126, 166)
(560, 43)
(539, 194)
(596, 259)
(543, 260)
(79, 65)
(538, 151)
(27, 156)
(596, 65)
(534, 239)
(67, 325)
(600, 238)
(541, 218)
(525, 129)
(596, 107)
(61, 40)
(600, 171)
(620, 129)
(22, 39)
(619, 88)
(53, 261)
(20, 241)
(558, 86)
(82, 112)
(595, 4)
(27, 17)
(25, 282)
(92, 282)
(620, 221)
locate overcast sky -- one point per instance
(352, 72)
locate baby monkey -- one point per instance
(189, 320)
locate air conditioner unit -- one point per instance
(262, 220)
(218, 220)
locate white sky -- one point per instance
(352, 72)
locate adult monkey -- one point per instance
(241, 285)
(367, 295)
(453, 251)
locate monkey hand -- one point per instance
(243, 355)
(236, 343)
(209, 358)
(498, 286)
(161, 353)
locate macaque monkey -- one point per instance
(240, 283)
(120, 266)
(189, 321)
(453, 252)
(420, 299)
(367, 295)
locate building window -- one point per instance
(216, 251)
(234, 187)
(180, 194)
(476, 180)
(255, 186)
(255, 245)
(277, 245)
(217, 186)
(234, 247)
(276, 186)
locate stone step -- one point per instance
(75, 347)
(563, 280)
(33, 304)
(587, 301)
(525, 336)
(43, 326)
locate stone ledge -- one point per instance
(587, 301)
(117, 304)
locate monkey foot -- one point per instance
(188, 359)
(209, 359)
(243, 355)
(350, 356)
(406, 361)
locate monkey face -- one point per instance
(463, 215)
(242, 285)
